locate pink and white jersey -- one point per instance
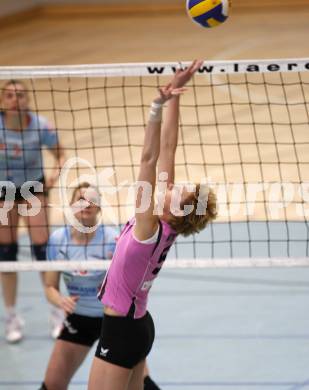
(134, 267)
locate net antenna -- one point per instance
(244, 130)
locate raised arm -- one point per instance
(146, 221)
(169, 133)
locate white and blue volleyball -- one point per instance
(208, 13)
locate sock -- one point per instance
(10, 311)
(149, 384)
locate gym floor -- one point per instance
(215, 329)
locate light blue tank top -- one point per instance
(85, 284)
(20, 151)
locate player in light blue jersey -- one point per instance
(82, 325)
(23, 134)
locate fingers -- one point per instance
(168, 91)
(69, 303)
(165, 90)
(195, 65)
(176, 86)
(178, 91)
(183, 75)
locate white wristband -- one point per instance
(155, 114)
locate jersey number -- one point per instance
(161, 260)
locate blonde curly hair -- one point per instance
(204, 210)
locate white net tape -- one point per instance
(162, 68)
(10, 266)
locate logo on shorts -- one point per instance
(69, 327)
(103, 351)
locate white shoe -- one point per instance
(56, 322)
(13, 328)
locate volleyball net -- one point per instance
(244, 131)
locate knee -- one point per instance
(39, 251)
(8, 252)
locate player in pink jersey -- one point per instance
(127, 330)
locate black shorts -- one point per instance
(32, 190)
(125, 341)
(80, 329)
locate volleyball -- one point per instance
(208, 13)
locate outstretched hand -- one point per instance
(182, 76)
(167, 92)
(176, 86)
